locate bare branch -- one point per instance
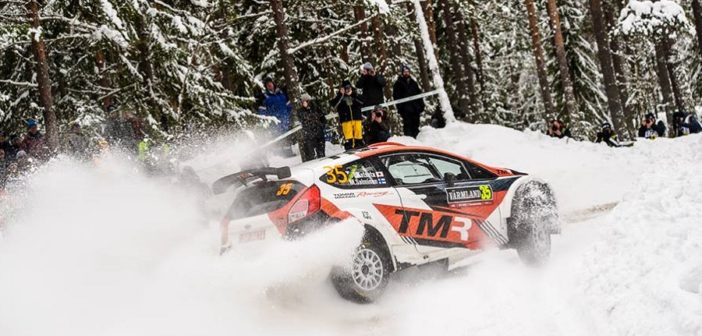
(11, 82)
(328, 37)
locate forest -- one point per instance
(179, 65)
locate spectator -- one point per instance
(4, 142)
(313, 124)
(274, 102)
(33, 142)
(76, 144)
(438, 120)
(410, 111)
(11, 147)
(371, 86)
(349, 106)
(378, 130)
(558, 130)
(650, 129)
(685, 124)
(607, 136)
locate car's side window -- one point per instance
(478, 173)
(357, 174)
(410, 169)
(445, 165)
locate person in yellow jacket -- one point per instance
(348, 105)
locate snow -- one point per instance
(108, 251)
(112, 14)
(383, 7)
(646, 17)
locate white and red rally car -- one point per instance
(419, 205)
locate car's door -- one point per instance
(362, 189)
(433, 212)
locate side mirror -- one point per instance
(449, 179)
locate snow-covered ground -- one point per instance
(108, 251)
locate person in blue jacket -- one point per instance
(274, 102)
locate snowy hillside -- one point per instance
(107, 251)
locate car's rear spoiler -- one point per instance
(222, 184)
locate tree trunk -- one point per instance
(674, 83)
(359, 13)
(379, 42)
(539, 58)
(664, 79)
(428, 9)
(421, 59)
(603, 53)
(444, 101)
(620, 73)
(281, 30)
(475, 32)
(104, 80)
(468, 74)
(46, 99)
(697, 13)
(455, 60)
(568, 95)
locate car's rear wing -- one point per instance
(245, 176)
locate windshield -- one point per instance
(264, 197)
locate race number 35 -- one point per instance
(336, 175)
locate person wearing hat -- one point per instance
(685, 124)
(33, 142)
(650, 129)
(378, 130)
(348, 105)
(371, 86)
(313, 124)
(607, 136)
(411, 111)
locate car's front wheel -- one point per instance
(534, 217)
(366, 278)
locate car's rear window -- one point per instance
(263, 197)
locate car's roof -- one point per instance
(389, 148)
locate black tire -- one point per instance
(365, 280)
(533, 213)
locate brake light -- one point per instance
(309, 203)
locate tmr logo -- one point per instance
(428, 226)
(469, 194)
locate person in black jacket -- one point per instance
(411, 111)
(378, 130)
(313, 124)
(349, 107)
(685, 124)
(650, 129)
(371, 86)
(607, 136)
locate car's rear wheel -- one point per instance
(534, 217)
(367, 277)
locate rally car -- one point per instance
(418, 205)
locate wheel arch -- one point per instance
(374, 235)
